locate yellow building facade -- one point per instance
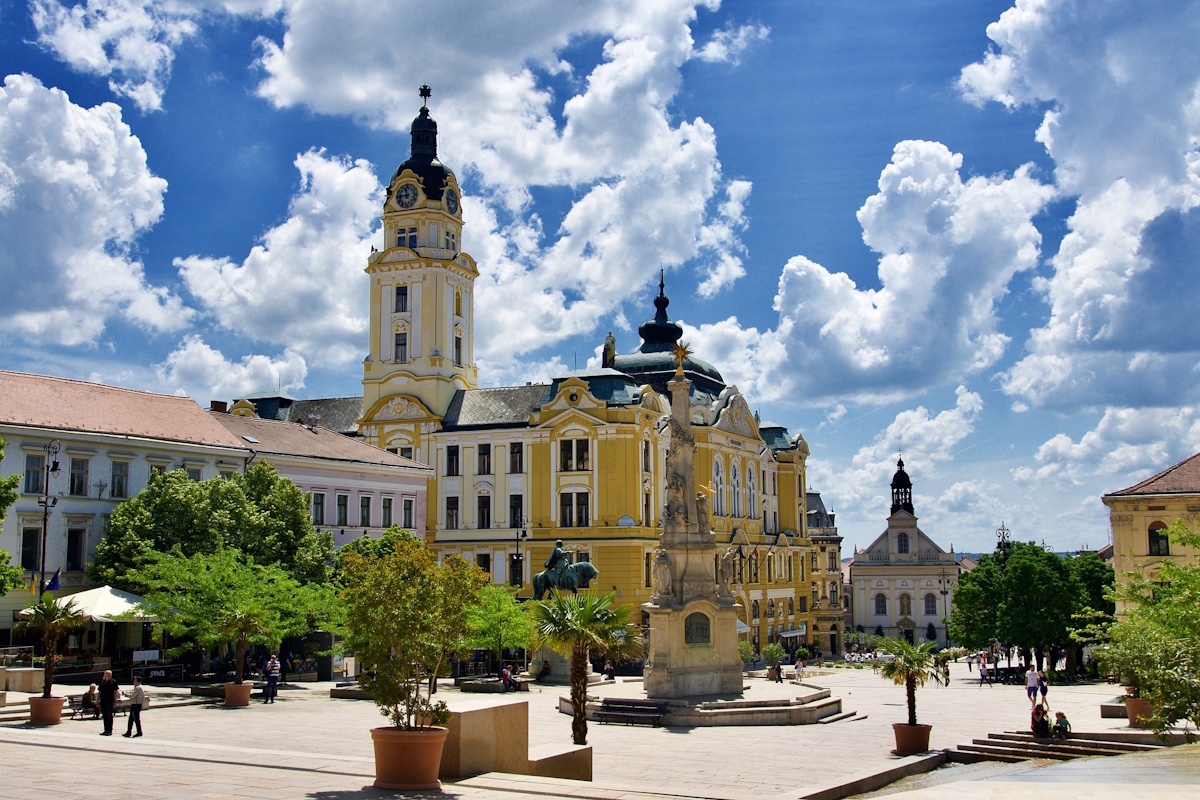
(1141, 514)
(582, 458)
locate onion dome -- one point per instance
(901, 489)
(423, 159)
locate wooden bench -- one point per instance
(630, 712)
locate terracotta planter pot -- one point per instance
(408, 760)
(238, 694)
(1138, 710)
(911, 739)
(46, 710)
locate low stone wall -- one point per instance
(570, 761)
(30, 680)
(490, 739)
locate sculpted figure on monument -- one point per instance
(662, 573)
(728, 570)
(702, 512)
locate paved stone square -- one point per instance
(310, 746)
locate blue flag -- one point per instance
(53, 584)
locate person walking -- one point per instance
(1043, 687)
(108, 689)
(271, 670)
(1031, 685)
(983, 674)
(779, 672)
(137, 697)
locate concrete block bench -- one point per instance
(570, 761)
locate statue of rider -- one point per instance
(556, 565)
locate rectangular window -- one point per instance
(833, 561)
(35, 467)
(646, 510)
(802, 604)
(930, 604)
(485, 460)
(582, 518)
(516, 458)
(407, 514)
(645, 456)
(406, 452)
(483, 518)
(76, 540)
(451, 241)
(318, 508)
(458, 351)
(157, 469)
(484, 562)
(120, 479)
(401, 299)
(343, 509)
(30, 537)
(364, 512)
(452, 459)
(1159, 544)
(566, 509)
(79, 477)
(516, 510)
(573, 455)
(451, 513)
(385, 513)
(646, 570)
(193, 473)
(401, 350)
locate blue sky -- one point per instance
(967, 231)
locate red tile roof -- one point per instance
(1183, 478)
(63, 405)
(270, 436)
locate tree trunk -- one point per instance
(579, 656)
(49, 647)
(239, 658)
(910, 686)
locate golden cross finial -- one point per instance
(681, 351)
(708, 490)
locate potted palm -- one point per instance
(404, 614)
(51, 621)
(575, 624)
(912, 666)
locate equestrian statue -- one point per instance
(561, 574)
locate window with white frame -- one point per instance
(119, 485)
(343, 509)
(364, 511)
(406, 518)
(400, 353)
(385, 512)
(573, 455)
(718, 487)
(79, 477)
(451, 513)
(930, 605)
(735, 489)
(483, 517)
(573, 508)
(35, 471)
(318, 508)
(401, 299)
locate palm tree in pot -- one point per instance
(51, 621)
(575, 624)
(912, 666)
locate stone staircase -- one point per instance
(1016, 746)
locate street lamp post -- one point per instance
(50, 467)
(517, 578)
(944, 582)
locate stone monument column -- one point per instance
(693, 616)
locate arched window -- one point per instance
(458, 304)
(902, 543)
(930, 605)
(791, 606)
(718, 486)
(905, 606)
(880, 605)
(751, 494)
(735, 489)
(754, 609)
(1160, 545)
(770, 608)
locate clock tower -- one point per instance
(422, 302)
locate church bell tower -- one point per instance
(421, 348)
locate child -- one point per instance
(1062, 725)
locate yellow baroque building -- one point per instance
(582, 458)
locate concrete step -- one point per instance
(1010, 753)
(846, 715)
(1047, 749)
(969, 754)
(1078, 740)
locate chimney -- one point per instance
(220, 406)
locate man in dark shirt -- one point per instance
(108, 700)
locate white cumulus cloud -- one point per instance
(304, 287)
(75, 193)
(202, 372)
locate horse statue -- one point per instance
(575, 577)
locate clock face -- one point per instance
(406, 195)
(451, 201)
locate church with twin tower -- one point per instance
(587, 457)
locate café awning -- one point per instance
(106, 604)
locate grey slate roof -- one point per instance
(506, 406)
(339, 414)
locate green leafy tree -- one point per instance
(914, 665)
(1155, 647)
(368, 546)
(746, 651)
(51, 621)
(1038, 598)
(499, 621)
(260, 513)
(224, 598)
(10, 576)
(773, 653)
(404, 612)
(974, 618)
(575, 624)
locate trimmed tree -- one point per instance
(573, 625)
(498, 622)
